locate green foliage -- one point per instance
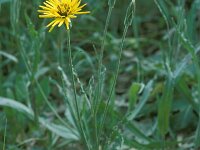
(127, 76)
(133, 93)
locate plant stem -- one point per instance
(74, 90)
(127, 22)
(100, 80)
(60, 56)
(115, 79)
(102, 54)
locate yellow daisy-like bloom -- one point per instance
(62, 11)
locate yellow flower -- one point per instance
(62, 11)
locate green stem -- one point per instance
(102, 53)
(100, 81)
(115, 78)
(74, 90)
(98, 98)
(60, 56)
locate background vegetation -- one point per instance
(156, 101)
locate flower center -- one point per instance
(63, 10)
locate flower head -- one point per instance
(62, 11)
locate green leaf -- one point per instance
(21, 88)
(46, 90)
(164, 107)
(9, 56)
(134, 90)
(142, 101)
(67, 133)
